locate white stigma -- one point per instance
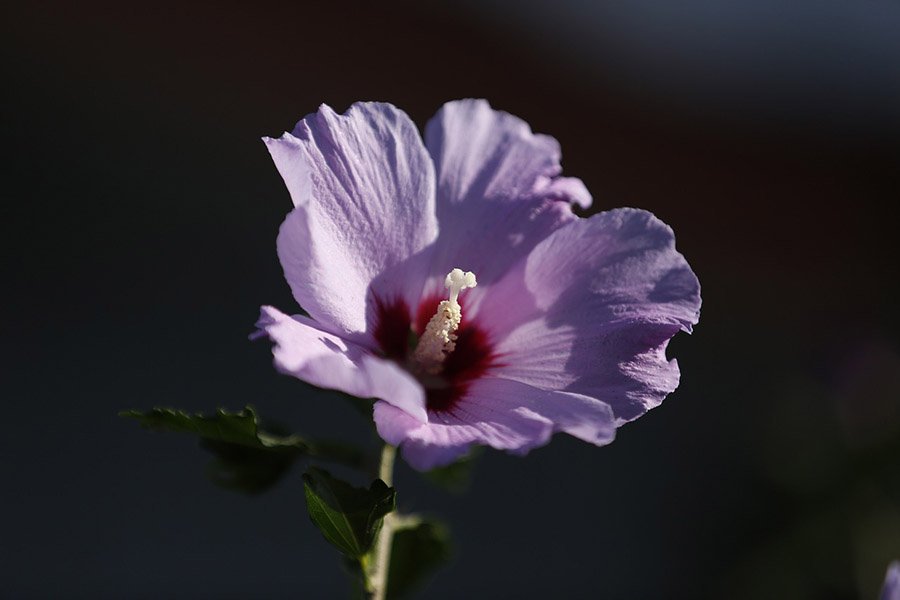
(439, 338)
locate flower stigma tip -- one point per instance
(439, 337)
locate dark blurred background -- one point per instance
(139, 213)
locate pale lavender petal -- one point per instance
(498, 193)
(424, 448)
(592, 309)
(363, 188)
(306, 351)
(503, 414)
(891, 589)
(568, 189)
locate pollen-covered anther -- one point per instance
(439, 339)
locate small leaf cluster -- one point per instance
(250, 458)
(349, 517)
(247, 458)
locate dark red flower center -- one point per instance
(472, 357)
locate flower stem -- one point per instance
(377, 569)
(386, 468)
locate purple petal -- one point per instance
(503, 414)
(362, 185)
(592, 309)
(891, 589)
(498, 191)
(303, 349)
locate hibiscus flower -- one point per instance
(451, 282)
(891, 588)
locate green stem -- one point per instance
(386, 468)
(376, 571)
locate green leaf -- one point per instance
(420, 546)
(247, 457)
(241, 428)
(244, 469)
(349, 517)
(455, 477)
